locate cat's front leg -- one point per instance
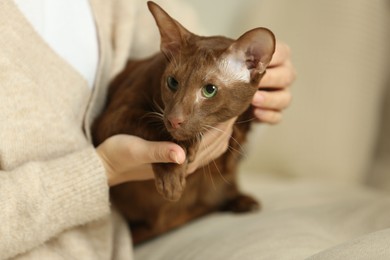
(170, 179)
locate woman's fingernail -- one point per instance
(173, 157)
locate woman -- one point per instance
(57, 58)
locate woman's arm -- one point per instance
(39, 200)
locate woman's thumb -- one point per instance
(166, 152)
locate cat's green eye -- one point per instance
(173, 84)
(209, 91)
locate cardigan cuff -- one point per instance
(77, 183)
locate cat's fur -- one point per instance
(140, 103)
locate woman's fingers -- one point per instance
(278, 77)
(274, 89)
(274, 100)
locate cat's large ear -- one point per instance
(255, 48)
(173, 34)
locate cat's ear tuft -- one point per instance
(255, 48)
(173, 34)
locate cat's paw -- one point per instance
(170, 184)
(242, 203)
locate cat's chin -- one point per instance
(180, 136)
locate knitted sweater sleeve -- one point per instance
(38, 200)
(51, 179)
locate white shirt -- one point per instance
(68, 27)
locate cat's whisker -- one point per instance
(173, 59)
(230, 147)
(208, 127)
(176, 63)
(211, 177)
(215, 164)
(245, 121)
(155, 114)
(169, 54)
(241, 153)
(157, 117)
(161, 127)
(220, 173)
(158, 107)
(200, 136)
(224, 132)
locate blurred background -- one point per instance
(337, 127)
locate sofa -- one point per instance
(323, 174)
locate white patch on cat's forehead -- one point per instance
(233, 70)
(198, 97)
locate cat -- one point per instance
(190, 86)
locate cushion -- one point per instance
(300, 218)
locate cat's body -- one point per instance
(192, 85)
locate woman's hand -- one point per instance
(214, 143)
(129, 158)
(274, 92)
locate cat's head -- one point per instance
(208, 80)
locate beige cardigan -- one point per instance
(53, 191)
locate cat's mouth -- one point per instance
(181, 133)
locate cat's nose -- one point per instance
(176, 122)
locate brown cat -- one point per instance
(176, 95)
